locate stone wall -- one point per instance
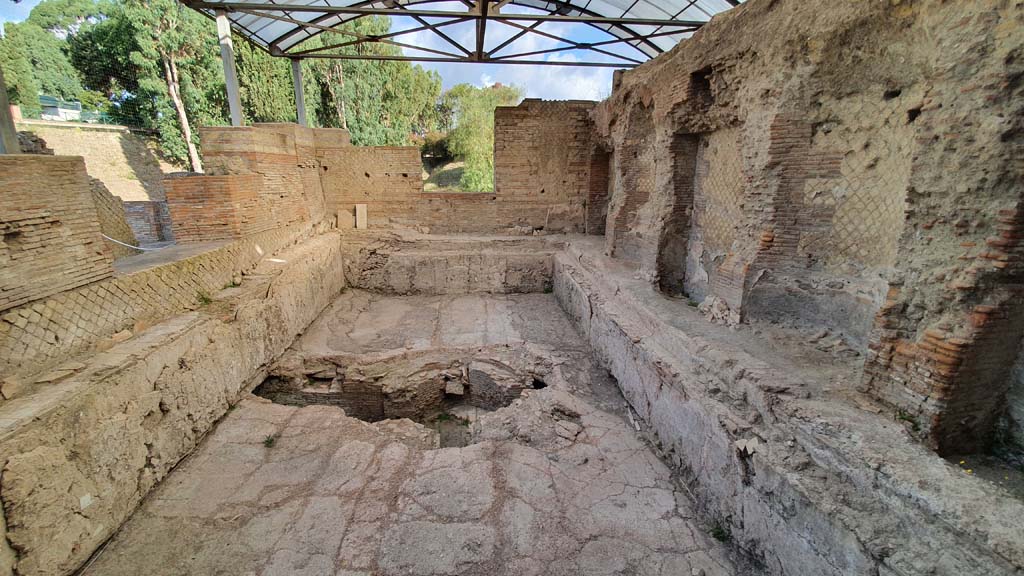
(207, 208)
(50, 234)
(37, 335)
(818, 172)
(81, 455)
(393, 263)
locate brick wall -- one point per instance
(49, 231)
(597, 191)
(269, 151)
(257, 178)
(113, 221)
(388, 179)
(534, 188)
(206, 208)
(149, 220)
(542, 156)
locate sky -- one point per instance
(548, 82)
(11, 12)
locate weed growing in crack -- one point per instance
(204, 298)
(270, 440)
(720, 532)
(446, 417)
(906, 417)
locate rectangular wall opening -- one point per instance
(672, 247)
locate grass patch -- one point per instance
(445, 178)
(269, 441)
(204, 298)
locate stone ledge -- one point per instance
(411, 264)
(77, 321)
(827, 488)
(79, 456)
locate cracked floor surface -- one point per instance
(557, 483)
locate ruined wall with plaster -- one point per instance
(833, 183)
(633, 183)
(49, 232)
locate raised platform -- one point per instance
(773, 439)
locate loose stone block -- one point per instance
(361, 216)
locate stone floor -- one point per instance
(163, 253)
(559, 482)
(360, 322)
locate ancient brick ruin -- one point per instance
(760, 311)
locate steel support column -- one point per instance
(8, 134)
(300, 99)
(227, 56)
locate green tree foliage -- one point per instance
(472, 139)
(66, 17)
(178, 68)
(44, 55)
(101, 52)
(382, 103)
(264, 84)
(22, 86)
(155, 64)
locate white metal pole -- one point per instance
(300, 99)
(227, 55)
(8, 134)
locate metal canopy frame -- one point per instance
(633, 38)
